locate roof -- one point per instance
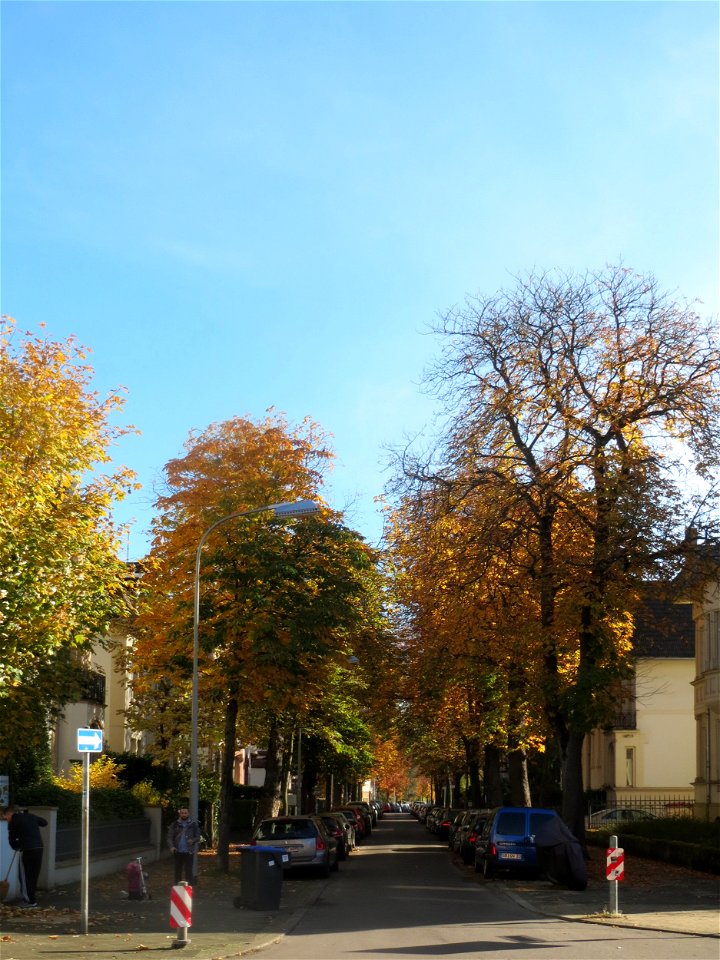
(701, 565)
(664, 630)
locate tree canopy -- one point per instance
(61, 581)
(283, 604)
(573, 404)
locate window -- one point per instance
(511, 824)
(712, 639)
(630, 766)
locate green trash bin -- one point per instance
(261, 876)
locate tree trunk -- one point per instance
(269, 805)
(493, 783)
(307, 788)
(457, 797)
(285, 771)
(472, 754)
(474, 782)
(226, 784)
(519, 783)
(573, 798)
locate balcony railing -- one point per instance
(624, 720)
(92, 686)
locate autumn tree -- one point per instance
(577, 401)
(61, 581)
(282, 603)
(391, 769)
(467, 648)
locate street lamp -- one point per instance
(300, 508)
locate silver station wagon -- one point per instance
(305, 838)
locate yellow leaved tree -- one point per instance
(60, 577)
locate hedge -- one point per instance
(694, 856)
(105, 804)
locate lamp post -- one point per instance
(300, 508)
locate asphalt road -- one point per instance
(401, 897)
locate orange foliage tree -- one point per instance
(283, 603)
(578, 403)
(391, 769)
(470, 674)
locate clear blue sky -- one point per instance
(244, 205)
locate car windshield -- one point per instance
(285, 830)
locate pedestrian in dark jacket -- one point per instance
(24, 835)
(183, 837)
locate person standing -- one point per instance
(24, 835)
(183, 837)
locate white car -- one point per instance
(613, 815)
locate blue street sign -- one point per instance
(89, 740)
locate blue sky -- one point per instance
(245, 205)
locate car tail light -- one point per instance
(492, 850)
(472, 838)
(320, 844)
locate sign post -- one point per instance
(89, 741)
(615, 871)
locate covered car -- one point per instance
(559, 854)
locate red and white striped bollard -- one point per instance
(181, 912)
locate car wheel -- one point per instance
(488, 871)
(336, 866)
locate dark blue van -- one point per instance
(507, 842)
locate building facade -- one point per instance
(645, 757)
(706, 683)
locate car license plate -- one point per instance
(510, 856)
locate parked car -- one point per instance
(364, 813)
(560, 855)
(454, 827)
(361, 831)
(369, 809)
(470, 832)
(460, 830)
(305, 838)
(350, 822)
(431, 818)
(444, 821)
(340, 828)
(618, 815)
(507, 842)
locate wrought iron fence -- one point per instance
(638, 807)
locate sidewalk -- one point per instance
(118, 927)
(689, 904)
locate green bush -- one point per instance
(47, 794)
(105, 804)
(145, 768)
